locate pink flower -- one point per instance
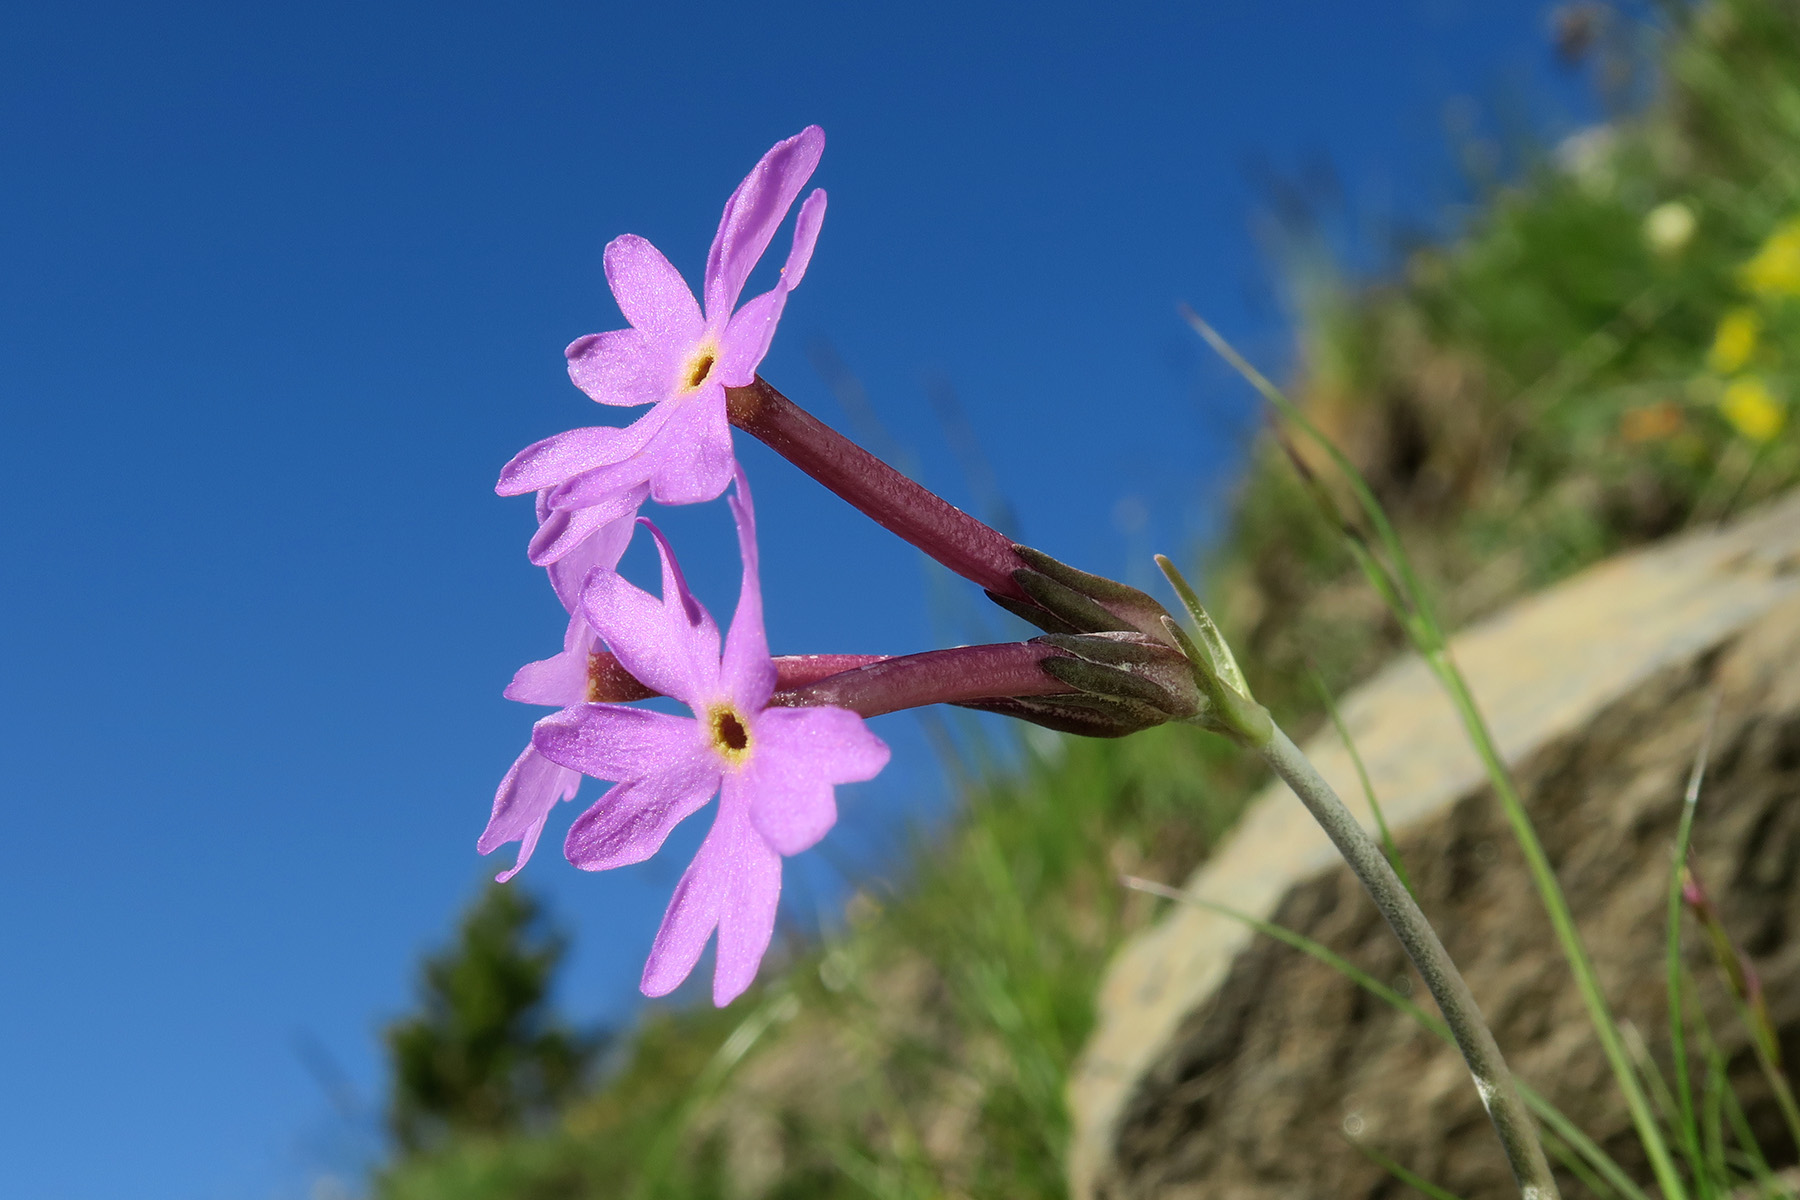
(676, 357)
(534, 784)
(774, 769)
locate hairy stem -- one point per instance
(912, 512)
(1543, 875)
(1493, 1081)
(610, 682)
(1412, 606)
(955, 676)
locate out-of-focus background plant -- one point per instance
(1604, 354)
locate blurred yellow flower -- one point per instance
(1669, 227)
(1735, 340)
(1774, 270)
(1752, 409)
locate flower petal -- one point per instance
(746, 669)
(670, 646)
(806, 237)
(752, 327)
(747, 917)
(602, 487)
(562, 457)
(691, 458)
(565, 531)
(753, 214)
(631, 822)
(604, 548)
(611, 741)
(561, 680)
(651, 292)
(627, 465)
(621, 366)
(748, 335)
(692, 915)
(733, 885)
(522, 805)
(800, 753)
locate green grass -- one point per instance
(1523, 399)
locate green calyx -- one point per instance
(1230, 709)
(1132, 663)
(1127, 667)
(1080, 602)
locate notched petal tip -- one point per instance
(752, 214)
(522, 805)
(806, 238)
(674, 583)
(747, 917)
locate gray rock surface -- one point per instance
(1226, 1065)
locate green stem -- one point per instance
(1362, 774)
(1512, 1120)
(1414, 611)
(1557, 905)
(1578, 1143)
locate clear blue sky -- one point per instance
(282, 287)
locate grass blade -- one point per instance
(1688, 1121)
(1362, 773)
(1409, 1178)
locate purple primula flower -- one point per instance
(773, 768)
(676, 356)
(534, 784)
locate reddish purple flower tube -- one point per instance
(609, 682)
(914, 513)
(957, 676)
(1029, 584)
(872, 684)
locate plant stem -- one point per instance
(611, 683)
(954, 676)
(1512, 1120)
(1578, 1143)
(1362, 774)
(1557, 905)
(898, 504)
(1412, 606)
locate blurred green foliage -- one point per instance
(483, 1056)
(1544, 389)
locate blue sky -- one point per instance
(281, 289)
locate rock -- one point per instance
(1224, 1064)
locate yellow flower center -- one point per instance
(698, 369)
(730, 734)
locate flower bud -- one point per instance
(1079, 601)
(1084, 716)
(1128, 667)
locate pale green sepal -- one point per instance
(1218, 653)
